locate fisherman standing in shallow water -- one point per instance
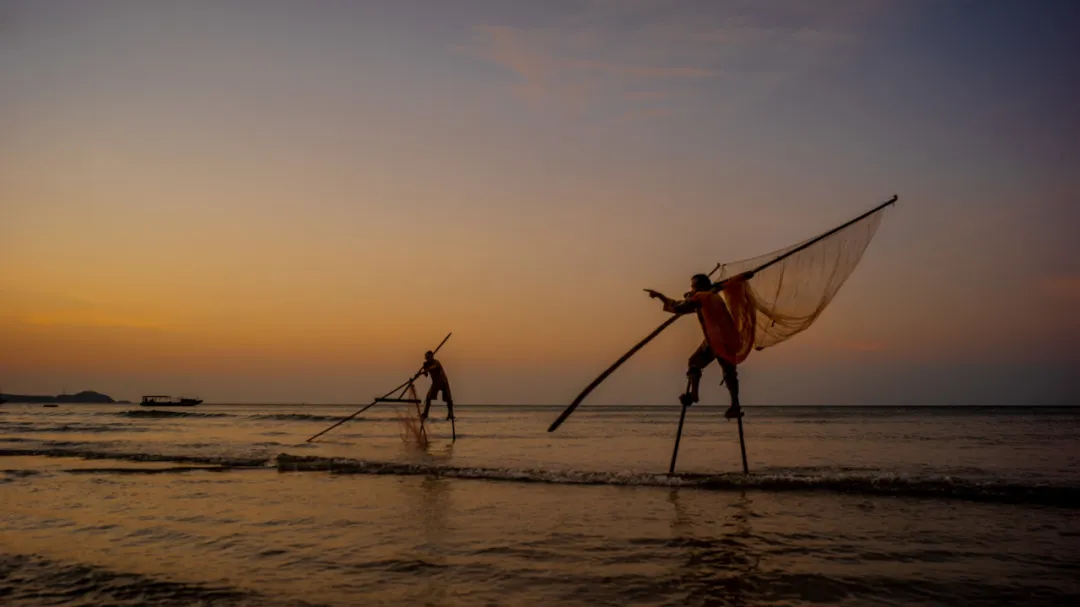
(439, 383)
(723, 343)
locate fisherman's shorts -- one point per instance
(433, 392)
(701, 359)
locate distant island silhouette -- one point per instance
(84, 397)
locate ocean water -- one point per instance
(228, 505)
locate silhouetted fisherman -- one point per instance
(439, 383)
(722, 339)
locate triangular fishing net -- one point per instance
(791, 287)
(411, 428)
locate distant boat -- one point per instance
(169, 401)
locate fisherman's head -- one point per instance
(700, 282)
(429, 355)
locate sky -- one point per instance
(291, 201)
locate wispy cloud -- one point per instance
(636, 57)
(558, 68)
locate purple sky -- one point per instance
(286, 201)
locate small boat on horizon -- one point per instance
(168, 401)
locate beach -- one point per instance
(228, 505)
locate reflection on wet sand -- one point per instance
(717, 570)
(427, 504)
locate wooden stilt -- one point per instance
(453, 428)
(678, 438)
(742, 445)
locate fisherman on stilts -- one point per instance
(439, 383)
(736, 318)
(725, 334)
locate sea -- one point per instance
(230, 505)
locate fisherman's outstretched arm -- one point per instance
(684, 306)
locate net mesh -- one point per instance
(412, 429)
(785, 298)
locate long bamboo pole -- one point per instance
(384, 396)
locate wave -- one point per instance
(219, 461)
(19, 473)
(27, 427)
(165, 470)
(853, 481)
(158, 414)
(306, 417)
(33, 580)
(846, 483)
(155, 414)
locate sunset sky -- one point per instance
(290, 201)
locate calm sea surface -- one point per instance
(228, 505)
